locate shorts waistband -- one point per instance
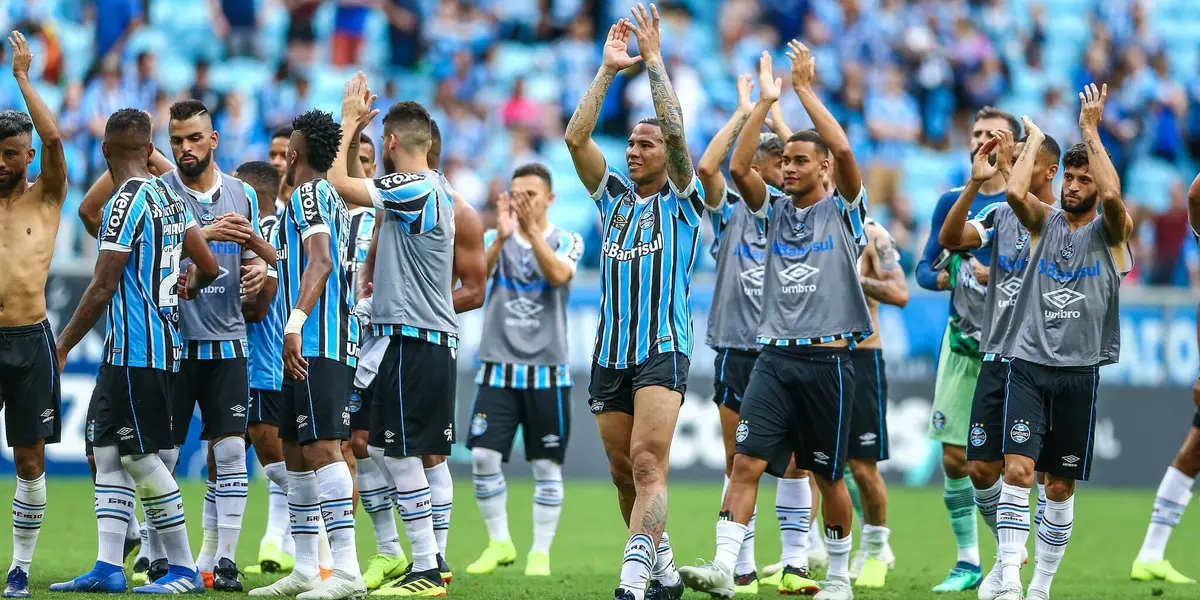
(25, 329)
(865, 351)
(807, 351)
(1076, 369)
(739, 352)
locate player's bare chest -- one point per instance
(26, 227)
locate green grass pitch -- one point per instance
(1109, 526)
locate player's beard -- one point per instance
(11, 180)
(1079, 207)
(197, 169)
(388, 166)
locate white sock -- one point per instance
(304, 512)
(144, 533)
(793, 507)
(376, 499)
(637, 564)
(745, 560)
(875, 539)
(233, 485)
(1053, 533)
(132, 532)
(156, 550)
(28, 510)
(730, 535)
(441, 488)
(816, 539)
(839, 556)
(1174, 493)
(1041, 504)
(337, 508)
(277, 508)
(208, 544)
(1012, 527)
(114, 505)
(160, 495)
(415, 505)
(985, 502)
(664, 570)
(324, 552)
(547, 503)
(491, 493)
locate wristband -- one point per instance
(295, 322)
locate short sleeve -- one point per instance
(985, 224)
(310, 210)
(570, 249)
(719, 218)
(412, 197)
(123, 219)
(252, 197)
(489, 236)
(272, 238)
(613, 186)
(689, 201)
(854, 213)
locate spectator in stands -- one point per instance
(142, 84)
(236, 22)
(575, 57)
(203, 90)
(1171, 231)
(237, 126)
(105, 95)
(1058, 120)
(1167, 109)
(301, 33)
(894, 123)
(520, 111)
(349, 22)
(115, 20)
(404, 32)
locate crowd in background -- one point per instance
(503, 76)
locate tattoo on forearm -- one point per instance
(1025, 152)
(670, 120)
(1091, 144)
(655, 519)
(876, 288)
(739, 123)
(584, 119)
(885, 252)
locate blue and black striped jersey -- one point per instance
(147, 222)
(650, 250)
(362, 229)
(265, 337)
(329, 332)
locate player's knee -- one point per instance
(954, 461)
(648, 468)
(985, 474)
(746, 470)
(485, 461)
(545, 469)
(29, 464)
(864, 472)
(430, 461)
(1019, 472)
(1058, 489)
(621, 471)
(358, 443)
(229, 453)
(141, 466)
(1187, 461)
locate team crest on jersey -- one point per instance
(938, 420)
(978, 436)
(1020, 432)
(207, 219)
(1021, 241)
(647, 220)
(355, 402)
(1068, 251)
(799, 229)
(478, 424)
(743, 431)
(527, 265)
(91, 431)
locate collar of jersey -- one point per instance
(524, 243)
(205, 197)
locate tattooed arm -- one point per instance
(585, 153)
(888, 284)
(666, 105)
(1030, 210)
(709, 168)
(1100, 166)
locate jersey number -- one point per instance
(166, 287)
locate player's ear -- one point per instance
(29, 155)
(216, 138)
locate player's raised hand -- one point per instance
(1005, 145)
(745, 83)
(982, 168)
(357, 99)
(616, 47)
(506, 221)
(769, 86)
(1031, 128)
(645, 27)
(804, 66)
(1091, 108)
(22, 57)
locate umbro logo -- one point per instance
(1070, 460)
(867, 439)
(238, 408)
(820, 458)
(1011, 287)
(550, 441)
(1063, 298)
(302, 420)
(49, 412)
(524, 308)
(752, 281)
(124, 431)
(388, 434)
(798, 272)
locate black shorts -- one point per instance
(29, 391)
(732, 368)
(360, 408)
(799, 402)
(1050, 416)
(264, 406)
(316, 408)
(415, 390)
(868, 422)
(221, 386)
(986, 439)
(132, 409)
(1196, 420)
(612, 390)
(89, 431)
(543, 415)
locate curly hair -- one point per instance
(14, 122)
(128, 129)
(322, 136)
(261, 176)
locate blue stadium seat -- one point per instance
(1149, 183)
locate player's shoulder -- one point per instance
(951, 196)
(393, 181)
